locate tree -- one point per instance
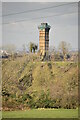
(10, 48)
(64, 47)
(24, 49)
(33, 47)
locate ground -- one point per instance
(42, 113)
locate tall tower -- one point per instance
(44, 39)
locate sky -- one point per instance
(22, 28)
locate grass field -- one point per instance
(42, 113)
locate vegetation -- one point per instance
(64, 47)
(42, 113)
(33, 47)
(28, 83)
(11, 48)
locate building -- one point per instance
(44, 40)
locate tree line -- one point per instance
(61, 53)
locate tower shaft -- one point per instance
(44, 39)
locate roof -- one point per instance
(44, 26)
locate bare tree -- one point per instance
(24, 49)
(64, 47)
(10, 48)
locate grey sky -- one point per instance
(64, 23)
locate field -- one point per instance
(42, 113)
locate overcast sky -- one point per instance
(63, 21)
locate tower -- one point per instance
(44, 40)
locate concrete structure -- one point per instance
(44, 40)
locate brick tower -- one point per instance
(44, 40)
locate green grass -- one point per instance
(42, 113)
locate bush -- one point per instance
(49, 65)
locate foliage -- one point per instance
(33, 47)
(29, 84)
